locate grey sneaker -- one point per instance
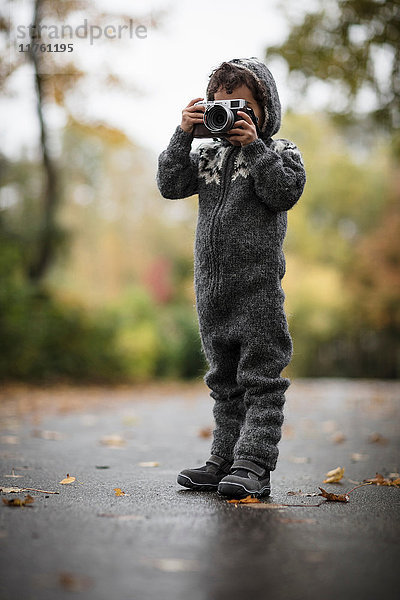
(246, 478)
(207, 477)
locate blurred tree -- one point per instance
(55, 80)
(354, 44)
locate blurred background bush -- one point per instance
(96, 269)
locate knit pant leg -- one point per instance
(264, 354)
(228, 409)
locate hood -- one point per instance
(266, 83)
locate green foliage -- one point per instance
(154, 340)
(346, 42)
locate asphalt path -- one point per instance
(161, 541)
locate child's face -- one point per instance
(241, 92)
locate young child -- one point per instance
(245, 185)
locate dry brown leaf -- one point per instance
(339, 497)
(338, 437)
(18, 502)
(75, 583)
(334, 497)
(380, 480)
(377, 438)
(334, 475)
(205, 432)
(68, 479)
(248, 500)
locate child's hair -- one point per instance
(230, 77)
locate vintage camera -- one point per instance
(220, 116)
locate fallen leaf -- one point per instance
(338, 437)
(75, 583)
(119, 492)
(377, 438)
(380, 480)
(334, 497)
(339, 497)
(68, 479)
(149, 464)
(18, 502)
(114, 441)
(248, 500)
(205, 432)
(334, 475)
(5, 490)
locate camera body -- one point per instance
(220, 116)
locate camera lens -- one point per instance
(218, 118)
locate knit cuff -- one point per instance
(254, 149)
(181, 141)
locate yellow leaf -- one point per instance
(119, 492)
(248, 500)
(18, 502)
(68, 479)
(334, 475)
(115, 441)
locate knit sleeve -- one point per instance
(277, 171)
(177, 174)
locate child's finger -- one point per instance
(245, 116)
(238, 130)
(194, 100)
(199, 107)
(243, 124)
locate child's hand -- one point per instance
(192, 115)
(244, 131)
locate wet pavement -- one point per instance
(160, 541)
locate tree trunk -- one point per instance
(46, 241)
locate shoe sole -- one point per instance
(237, 490)
(200, 487)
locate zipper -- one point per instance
(213, 225)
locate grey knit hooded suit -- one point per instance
(244, 194)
